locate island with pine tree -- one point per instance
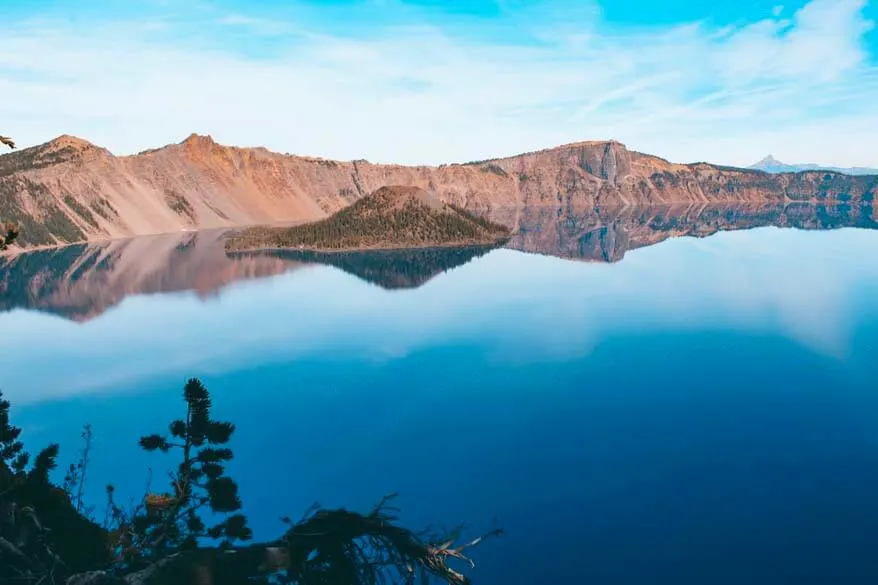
(393, 217)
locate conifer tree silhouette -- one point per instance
(162, 540)
(38, 524)
(175, 520)
(14, 472)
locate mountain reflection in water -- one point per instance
(82, 281)
(390, 269)
(600, 235)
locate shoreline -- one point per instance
(388, 248)
(786, 202)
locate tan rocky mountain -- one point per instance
(69, 190)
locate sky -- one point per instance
(436, 81)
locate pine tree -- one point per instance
(27, 546)
(14, 472)
(174, 521)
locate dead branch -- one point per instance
(150, 575)
(24, 555)
(339, 546)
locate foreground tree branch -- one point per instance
(327, 547)
(45, 538)
(338, 546)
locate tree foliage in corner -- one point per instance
(16, 475)
(30, 551)
(23, 554)
(166, 538)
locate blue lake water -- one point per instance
(704, 411)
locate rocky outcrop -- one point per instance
(69, 190)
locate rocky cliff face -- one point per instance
(69, 190)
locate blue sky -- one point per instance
(430, 82)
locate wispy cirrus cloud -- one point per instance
(391, 82)
(256, 26)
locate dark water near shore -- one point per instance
(656, 410)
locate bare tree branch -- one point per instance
(331, 545)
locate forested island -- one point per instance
(390, 218)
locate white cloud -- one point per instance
(416, 92)
(258, 26)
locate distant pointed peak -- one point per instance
(770, 164)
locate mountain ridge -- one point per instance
(769, 164)
(70, 190)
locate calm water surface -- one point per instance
(703, 411)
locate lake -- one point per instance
(631, 406)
